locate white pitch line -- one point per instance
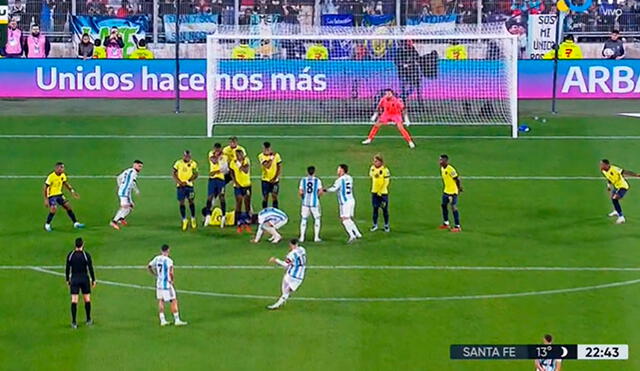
(400, 177)
(503, 137)
(353, 267)
(372, 300)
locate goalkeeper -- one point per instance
(391, 108)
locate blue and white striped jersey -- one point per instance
(127, 182)
(162, 265)
(297, 260)
(550, 364)
(343, 186)
(271, 214)
(310, 186)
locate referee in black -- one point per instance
(78, 269)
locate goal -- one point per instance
(287, 75)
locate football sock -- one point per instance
(617, 207)
(353, 228)
(272, 231)
(183, 212)
(404, 132)
(87, 310)
(223, 207)
(373, 132)
(316, 228)
(275, 203)
(74, 310)
(445, 213)
(456, 217)
(303, 227)
(176, 316)
(375, 216)
(72, 216)
(50, 218)
(347, 228)
(265, 203)
(192, 209)
(207, 208)
(259, 233)
(162, 318)
(385, 214)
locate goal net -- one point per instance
(283, 74)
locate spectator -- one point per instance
(493, 51)
(13, 48)
(36, 45)
(142, 52)
(123, 11)
(245, 18)
(243, 51)
(317, 52)
(46, 15)
(568, 49)
(613, 48)
(265, 50)
(114, 44)
(456, 51)
(85, 48)
(407, 61)
(17, 10)
(99, 52)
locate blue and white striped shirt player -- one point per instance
(310, 187)
(343, 186)
(127, 181)
(273, 215)
(162, 265)
(297, 263)
(550, 364)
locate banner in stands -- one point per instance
(339, 49)
(131, 28)
(300, 79)
(445, 22)
(193, 27)
(541, 34)
(339, 20)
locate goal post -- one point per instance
(461, 75)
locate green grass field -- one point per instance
(532, 202)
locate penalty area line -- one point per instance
(370, 300)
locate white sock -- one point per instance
(162, 318)
(316, 228)
(347, 227)
(176, 316)
(121, 214)
(272, 231)
(303, 228)
(354, 228)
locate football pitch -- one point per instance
(537, 254)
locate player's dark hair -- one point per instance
(548, 338)
(233, 139)
(97, 42)
(239, 151)
(266, 145)
(79, 242)
(187, 152)
(164, 248)
(217, 145)
(616, 31)
(568, 37)
(443, 156)
(344, 167)
(37, 25)
(294, 241)
(138, 162)
(605, 161)
(311, 170)
(59, 163)
(142, 43)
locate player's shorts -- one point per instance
(290, 282)
(185, 192)
(449, 198)
(166, 294)
(78, 285)
(386, 118)
(347, 209)
(57, 200)
(306, 210)
(268, 187)
(227, 178)
(619, 191)
(215, 187)
(125, 200)
(379, 200)
(242, 191)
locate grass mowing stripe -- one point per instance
(372, 300)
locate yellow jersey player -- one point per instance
(452, 188)
(229, 153)
(218, 168)
(240, 171)
(185, 171)
(380, 178)
(617, 185)
(271, 163)
(54, 196)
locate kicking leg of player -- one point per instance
(72, 215)
(405, 134)
(125, 208)
(372, 134)
(286, 291)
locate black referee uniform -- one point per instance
(79, 268)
